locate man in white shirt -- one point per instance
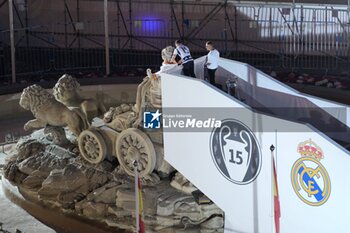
(184, 53)
(212, 61)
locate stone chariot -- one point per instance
(121, 135)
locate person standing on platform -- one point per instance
(184, 53)
(212, 61)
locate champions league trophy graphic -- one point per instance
(236, 153)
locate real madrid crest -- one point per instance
(236, 152)
(310, 179)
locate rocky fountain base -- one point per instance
(102, 196)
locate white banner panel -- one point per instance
(231, 164)
(310, 203)
(189, 152)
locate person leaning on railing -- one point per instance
(184, 53)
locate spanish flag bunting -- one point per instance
(141, 221)
(277, 209)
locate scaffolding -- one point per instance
(108, 37)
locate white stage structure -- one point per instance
(232, 164)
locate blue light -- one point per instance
(153, 25)
(150, 25)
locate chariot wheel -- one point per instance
(133, 144)
(92, 146)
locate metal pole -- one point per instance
(348, 55)
(137, 210)
(130, 25)
(12, 39)
(78, 19)
(26, 21)
(225, 28)
(106, 37)
(171, 19)
(66, 62)
(118, 25)
(236, 31)
(183, 19)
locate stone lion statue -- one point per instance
(48, 111)
(66, 91)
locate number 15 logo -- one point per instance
(236, 152)
(236, 159)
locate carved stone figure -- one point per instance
(149, 95)
(57, 135)
(120, 118)
(48, 111)
(167, 54)
(66, 91)
(121, 135)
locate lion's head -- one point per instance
(33, 97)
(66, 87)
